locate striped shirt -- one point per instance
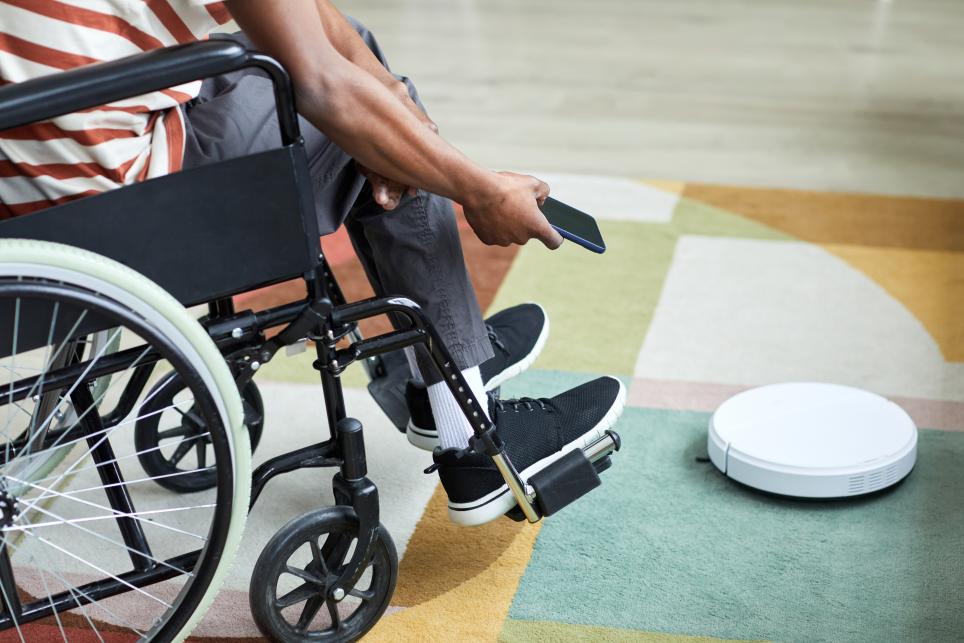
(105, 147)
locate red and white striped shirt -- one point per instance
(98, 149)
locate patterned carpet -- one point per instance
(705, 290)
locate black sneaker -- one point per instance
(518, 335)
(536, 433)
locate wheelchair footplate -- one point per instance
(570, 477)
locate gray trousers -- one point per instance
(413, 250)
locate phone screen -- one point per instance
(580, 227)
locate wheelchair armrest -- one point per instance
(94, 85)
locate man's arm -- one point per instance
(349, 44)
(365, 119)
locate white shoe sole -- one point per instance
(498, 502)
(428, 440)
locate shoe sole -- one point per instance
(496, 503)
(428, 440)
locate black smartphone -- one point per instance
(574, 225)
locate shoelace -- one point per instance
(525, 402)
(494, 338)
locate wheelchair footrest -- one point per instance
(564, 481)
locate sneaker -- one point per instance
(518, 335)
(536, 433)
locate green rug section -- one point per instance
(695, 217)
(544, 632)
(600, 306)
(670, 545)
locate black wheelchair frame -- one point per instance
(254, 214)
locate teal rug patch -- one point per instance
(670, 545)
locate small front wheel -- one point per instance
(290, 584)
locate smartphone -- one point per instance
(574, 225)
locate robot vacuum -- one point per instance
(812, 440)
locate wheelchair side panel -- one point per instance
(201, 234)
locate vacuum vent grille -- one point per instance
(868, 482)
(857, 484)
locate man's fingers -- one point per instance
(551, 239)
(381, 192)
(548, 235)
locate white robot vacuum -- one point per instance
(812, 440)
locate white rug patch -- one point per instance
(741, 311)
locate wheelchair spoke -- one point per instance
(364, 594)
(305, 575)
(127, 483)
(317, 557)
(97, 568)
(80, 380)
(73, 523)
(172, 433)
(95, 403)
(311, 609)
(43, 579)
(182, 450)
(202, 454)
(297, 595)
(48, 363)
(114, 513)
(335, 553)
(74, 591)
(56, 477)
(104, 433)
(333, 612)
(8, 586)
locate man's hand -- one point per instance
(508, 213)
(387, 193)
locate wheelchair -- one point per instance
(129, 422)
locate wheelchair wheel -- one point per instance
(89, 548)
(177, 456)
(293, 575)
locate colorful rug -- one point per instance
(704, 291)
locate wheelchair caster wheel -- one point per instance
(169, 430)
(294, 576)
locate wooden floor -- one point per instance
(852, 95)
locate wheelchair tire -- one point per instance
(64, 278)
(148, 437)
(301, 560)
